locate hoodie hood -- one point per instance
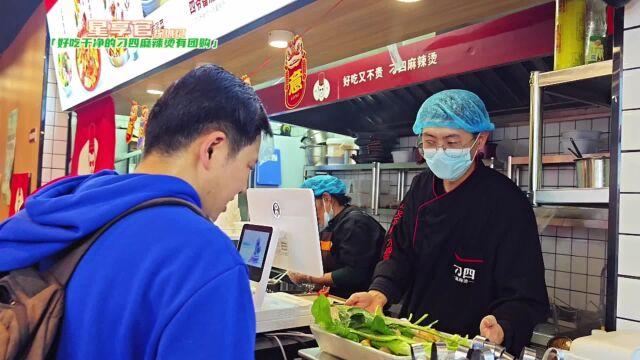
(71, 209)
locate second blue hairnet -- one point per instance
(454, 109)
(325, 184)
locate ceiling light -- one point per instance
(155, 92)
(408, 1)
(280, 38)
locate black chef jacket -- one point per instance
(356, 240)
(465, 254)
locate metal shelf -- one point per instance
(362, 167)
(571, 216)
(552, 159)
(349, 167)
(584, 72)
(573, 196)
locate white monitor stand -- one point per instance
(274, 311)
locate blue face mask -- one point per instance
(447, 167)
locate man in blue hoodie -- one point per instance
(164, 282)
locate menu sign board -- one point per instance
(100, 44)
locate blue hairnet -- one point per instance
(325, 184)
(453, 109)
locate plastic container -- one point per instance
(335, 160)
(569, 35)
(595, 31)
(336, 147)
(402, 156)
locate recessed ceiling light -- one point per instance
(155, 92)
(280, 38)
(408, 1)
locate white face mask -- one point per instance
(328, 214)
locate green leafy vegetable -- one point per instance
(392, 335)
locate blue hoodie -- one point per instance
(162, 283)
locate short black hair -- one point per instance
(207, 98)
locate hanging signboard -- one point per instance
(100, 44)
(513, 38)
(295, 73)
(19, 192)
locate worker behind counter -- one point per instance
(351, 240)
(463, 245)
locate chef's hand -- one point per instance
(490, 329)
(369, 301)
(297, 278)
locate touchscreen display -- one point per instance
(253, 247)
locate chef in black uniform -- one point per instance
(351, 240)
(463, 247)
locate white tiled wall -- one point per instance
(54, 154)
(629, 240)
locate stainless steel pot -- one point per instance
(592, 172)
(316, 154)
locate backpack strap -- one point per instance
(64, 268)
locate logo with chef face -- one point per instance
(321, 89)
(276, 210)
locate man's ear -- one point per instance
(210, 144)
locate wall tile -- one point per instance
(523, 132)
(46, 160)
(632, 14)
(567, 178)
(563, 246)
(579, 282)
(595, 266)
(511, 133)
(564, 296)
(551, 293)
(629, 210)
(593, 302)
(550, 231)
(47, 146)
(62, 119)
(631, 89)
(583, 125)
(626, 325)
(60, 133)
(578, 300)
(51, 104)
(563, 263)
(580, 247)
(50, 118)
(580, 233)
(597, 234)
(551, 129)
(59, 147)
(548, 244)
(597, 249)
(593, 284)
(578, 265)
(46, 176)
(550, 178)
(563, 280)
(57, 173)
(48, 132)
(550, 277)
(567, 126)
(628, 253)
(549, 261)
(551, 145)
(628, 295)
(564, 232)
(630, 172)
(601, 124)
(58, 161)
(630, 130)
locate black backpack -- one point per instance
(32, 302)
